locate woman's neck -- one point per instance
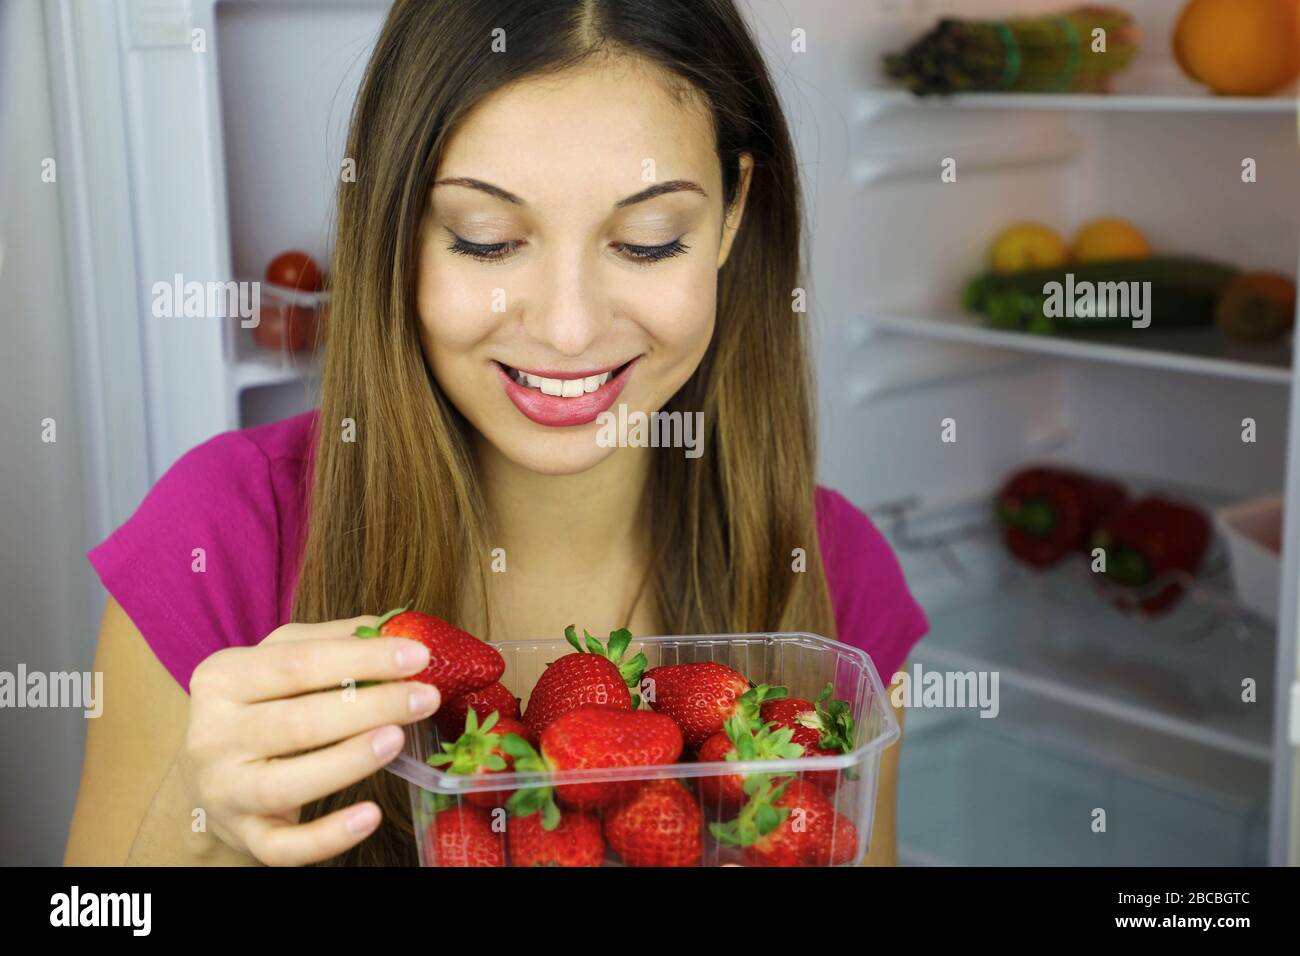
(566, 534)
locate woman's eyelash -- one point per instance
(475, 250)
(496, 251)
(655, 253)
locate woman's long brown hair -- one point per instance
(396, 515)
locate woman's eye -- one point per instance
(654, 253)
(496, 251)
(485, 252)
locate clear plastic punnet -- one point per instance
(802, 663)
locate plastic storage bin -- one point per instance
(803, 663)
(289, 321)
(1253, 533)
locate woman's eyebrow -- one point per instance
(658, 189)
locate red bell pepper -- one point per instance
(1149, 539)
(1047, 513)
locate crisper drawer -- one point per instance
(1023, 789)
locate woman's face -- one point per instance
(569, 259)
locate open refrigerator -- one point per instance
(208, 162)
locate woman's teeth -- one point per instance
(561, 387)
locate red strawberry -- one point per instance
(737, 742)
(791, 824)
(575, 842)
(458, 661)
(700, 697)
(659, 825)
(587, 739)
(824, 728)
(594, 676)
(479, 751)
(463, 836)
(450, 717)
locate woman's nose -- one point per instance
(570, 312)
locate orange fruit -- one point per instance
(1104, 239)
(1025, 246)
(1239, 47)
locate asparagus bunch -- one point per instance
(1021, 54)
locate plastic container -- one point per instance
(803, 663)
(1252, 531)
(289, 321)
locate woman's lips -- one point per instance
(555, 411)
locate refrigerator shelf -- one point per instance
(1052, 633)
(1193, 351)
(975, 794)
(872, 104)
(258, 371)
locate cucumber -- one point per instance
(1184, 293)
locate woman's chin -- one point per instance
(557, 452)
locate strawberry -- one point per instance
(575, 842)
(701, 697)
(478, 751)
(458, 661)
(586, 739)
(737, 742)
(824, 727)
(450, 718)
(463, 836)
(659, 825)
(791, 823)
(595, 676)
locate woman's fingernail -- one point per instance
(387, 742)
(411, 657)
(363, 819)
(424, 699)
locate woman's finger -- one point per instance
(346, 627)
(276, 671)
(284, 784)
(297, 844)
(280, 728)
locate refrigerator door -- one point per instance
(1285, 797)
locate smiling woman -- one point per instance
(561, 206)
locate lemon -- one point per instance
(1025, 246)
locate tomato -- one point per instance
(295, 270)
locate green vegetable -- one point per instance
(1184, 292)
(1018, 54)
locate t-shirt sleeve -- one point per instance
(874, 609)
(196, 566)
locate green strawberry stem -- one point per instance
(760, 744)
(759, 816)
(613, 651)
(530, 800)
(749, 705)
(472, 751)
(374, 631)
(835, 720)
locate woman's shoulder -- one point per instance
(874, 607)
(207, 558)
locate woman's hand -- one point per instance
(276, 726)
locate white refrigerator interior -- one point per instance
(217, 160)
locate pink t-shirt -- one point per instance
(234, 506)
